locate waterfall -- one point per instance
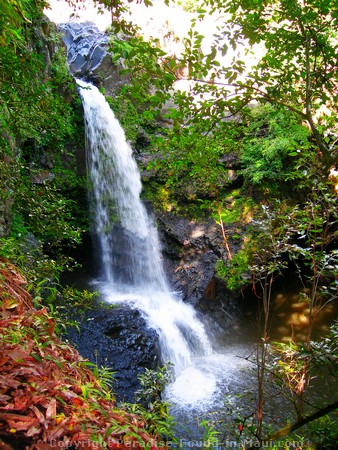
(128, 247)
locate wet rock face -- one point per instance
(191, 250)
(120, 340)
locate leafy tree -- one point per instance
(305, 234)
(191, 167)
(297, 42)
(144, 61)
(271, 137)
(297, 69)
(296, 72)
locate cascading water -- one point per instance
(130, 258)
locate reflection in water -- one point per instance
(290, 318)
(236, 377)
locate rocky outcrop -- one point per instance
(88, 56)
(44, 43)
(191, 250)
(189, 254)
(86, 47)
(118, 338)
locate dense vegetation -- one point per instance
(275, 120)
(50, 397)
(39, 133)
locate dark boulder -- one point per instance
(117, 338)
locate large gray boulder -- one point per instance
(191, 249)
(86, 47)
(89, 57)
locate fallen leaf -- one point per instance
(23, 425)
(33, 431)
(51, 409)
(18, 353)
(3, 360)
(10, 303)
(20, 403)
(4, 398)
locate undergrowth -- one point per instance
(49, 395)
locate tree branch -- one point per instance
(285, 431)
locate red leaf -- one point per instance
(8, 382)
(27, 370)
(20, 403)
(58, 431)
(39, 415)
(51, 409)
(33, 431)
(77, 401)
(22, 425)
(18, 417)
(3, 360)
(18, 353)
(4, 398)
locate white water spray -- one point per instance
(129, 250)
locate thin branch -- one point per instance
(276, 376)
(263, 95)
(285, 431)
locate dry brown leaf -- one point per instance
(21, 403)
(58, 431)
(38, 414)
(4, 398)
(7, 382)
